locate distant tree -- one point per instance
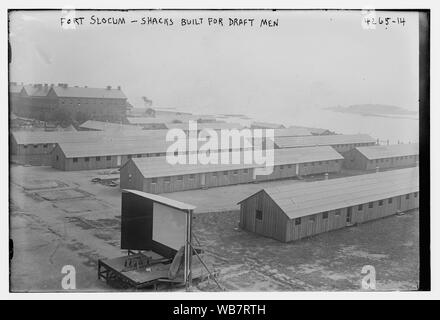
(150, 112)
(147, 102)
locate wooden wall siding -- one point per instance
(130, 177)
(34, 149)
(274, 220)
(308, 228)
(32, 159)
(356, 160)
(32, 154)
(93, 163)
(345, 148)
(316, 168)
(224, 178)
(392, 162)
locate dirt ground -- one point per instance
(62, 218)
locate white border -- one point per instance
(435, 190)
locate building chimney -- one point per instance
(377, 169)
(109, 87)
(326, 176)
(119, 87)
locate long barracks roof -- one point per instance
(113, 148)
(86, 92)
(159, 167)
(307, 198)
(292, 132)
(293, 142)
(128, 145)
(163, 200)
(396, 150)
(44, 137)
(105, 126)
(206, 125)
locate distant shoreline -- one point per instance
(394, 116)
(377, 110)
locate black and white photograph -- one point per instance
(218, 150)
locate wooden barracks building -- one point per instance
(112, 151)
(382, 157)
(340, 142)
(303, 209)
(156, 175)
(35, 147)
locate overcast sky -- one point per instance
(311, 60)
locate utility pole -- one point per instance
(188, 251)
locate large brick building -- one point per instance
(58, 102)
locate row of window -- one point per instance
(235, 172)
(319, 163)
(87, 159)
(259, 213)
(396, 158)
(192, 176)
(108, 158)
(36, 145)
(390, 200)
(353, 145)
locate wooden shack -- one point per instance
(156, 175)
(303, 209)
(340, 142)
(382, 157)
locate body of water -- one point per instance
(382, 128)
